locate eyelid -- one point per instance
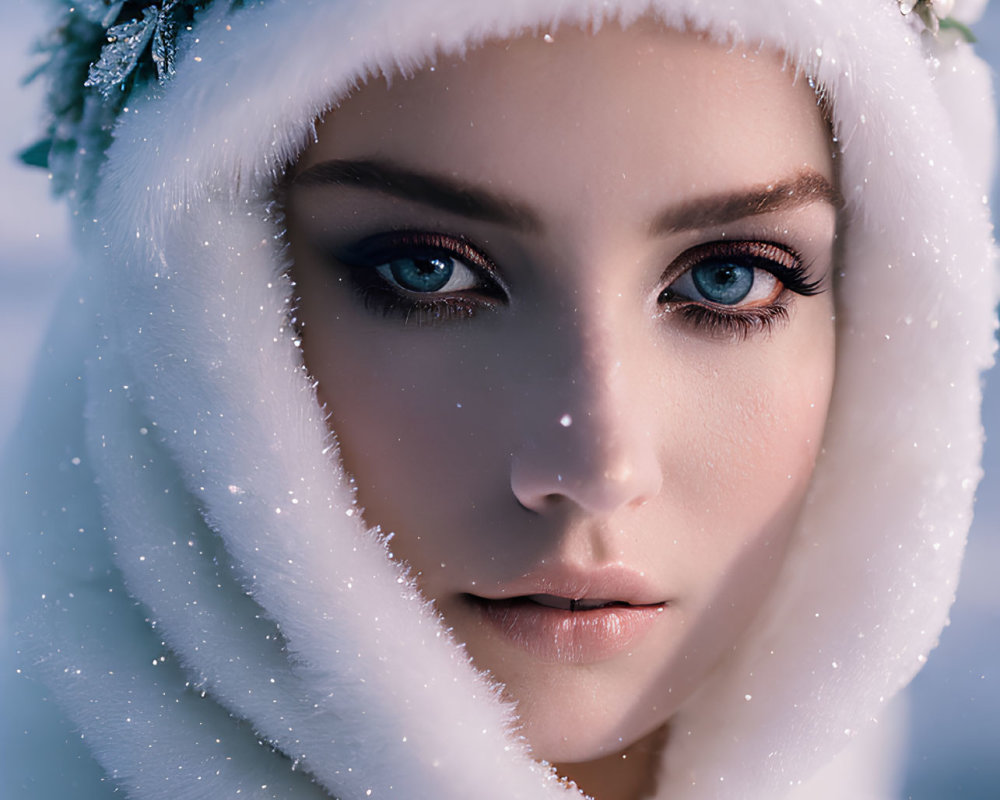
(782, 261)
(382, 247)
(759, 250)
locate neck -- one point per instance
(629, 774)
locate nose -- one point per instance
(588, 439)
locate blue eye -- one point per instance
(723, 282)
(422, 274)
(735, 275)
(432, 274)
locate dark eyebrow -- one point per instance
(706, 212)
(441, 192)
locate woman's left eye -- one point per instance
(736, 287)
(726, 282)
(731, 275)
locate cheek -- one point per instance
(739, 444)
(415, 421)
(741, 462)
(754, 450)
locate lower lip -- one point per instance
(571, 637)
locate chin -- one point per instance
(582, 706)
(579, 744)
(578, 718)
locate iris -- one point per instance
(723, 282)
(422, 274)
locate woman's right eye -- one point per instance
(422, 277)
(438, 274)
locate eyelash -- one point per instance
(379, 296)
(740, 322)
(369, 258)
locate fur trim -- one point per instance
(283, 611)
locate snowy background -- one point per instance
(954, 751)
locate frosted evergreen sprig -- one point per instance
(97, 53)
(129, 42)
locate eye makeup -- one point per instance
(421, 277)
(729, 288)
(736, 288)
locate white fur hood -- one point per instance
(191, 578)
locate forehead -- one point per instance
(639, 114)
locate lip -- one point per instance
(542, 613)
(610, 582)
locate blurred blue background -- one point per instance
(954, 746)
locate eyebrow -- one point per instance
(437, 191)
(457, 197)
(706, 212)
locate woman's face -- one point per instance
(568, 304)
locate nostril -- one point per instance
(599, 483)
(543, 503)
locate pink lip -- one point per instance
(560, 635)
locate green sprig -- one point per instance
(99, 51)
(950, 23)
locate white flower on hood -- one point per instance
(933, 12)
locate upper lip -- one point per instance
(609, 583)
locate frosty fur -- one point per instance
(219, 588)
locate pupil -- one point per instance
(723, 283)
(422, 274)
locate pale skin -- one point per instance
(571, 399)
